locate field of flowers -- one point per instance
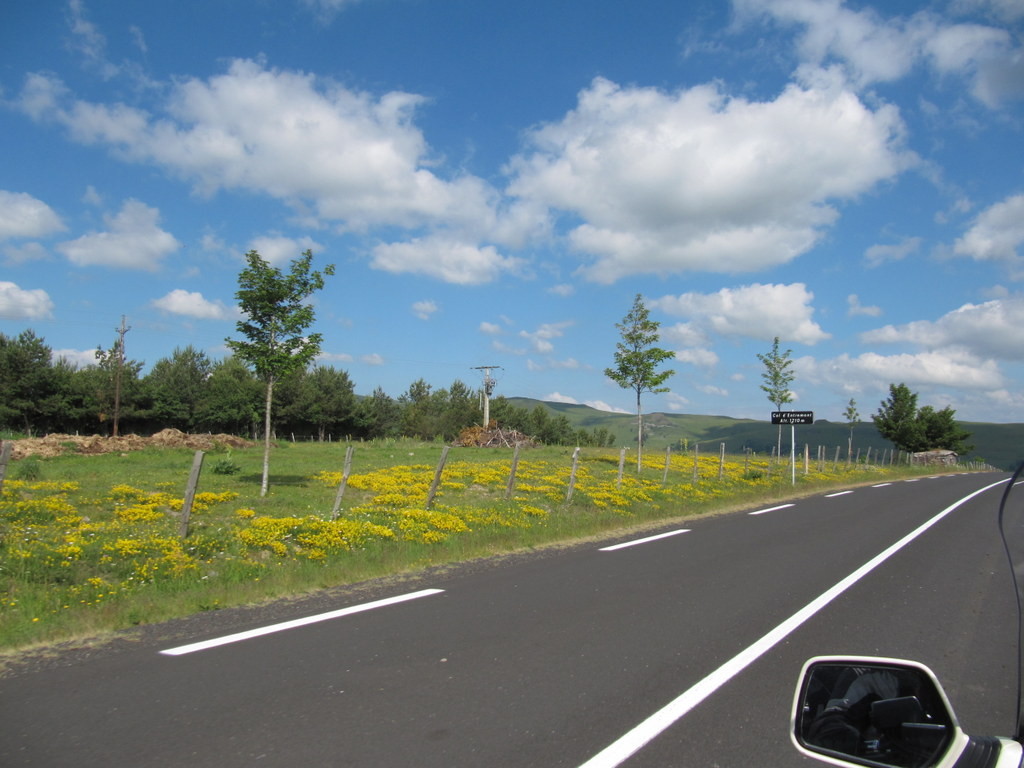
(100, 549)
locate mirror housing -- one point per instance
(866, 711)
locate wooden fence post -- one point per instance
(572, 474)
(695, 455)
(668, 460)
(5, 458)
(437, 476)
(190, 494)
(343, 483)
(622, 464)
(721, 460)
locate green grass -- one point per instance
(90, 544)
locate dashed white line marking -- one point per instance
(770, 509)
(881, 485)
(625, 544)
(837, 493)
(259, 631)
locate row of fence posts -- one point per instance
(882, 458)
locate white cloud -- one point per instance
(24, 253)
(989, 330)
(22, 215)
(872, 48)
(278, 250)
(372, 359)
(563, 290)
(702, 358)
(558, 397)
(879, 254)
(696, 180)
(855, 308)
(133, 240)
(601, 405)
(424, 309)
(448, 260)
(332, 153)
(491, 329)
(996, 234)
(754, 311)
(541, 339)
(87, 39)
(79, 358)
(871, 371)
(182, 302)
(24, 304)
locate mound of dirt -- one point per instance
(56, 444)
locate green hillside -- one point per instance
(1001, 445)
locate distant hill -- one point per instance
(1001, 445)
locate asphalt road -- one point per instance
(558, 658)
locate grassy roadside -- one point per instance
(90, 544)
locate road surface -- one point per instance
(681, 648)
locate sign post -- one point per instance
(792, 418)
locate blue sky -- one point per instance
(496, 181)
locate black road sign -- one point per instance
(792, 417)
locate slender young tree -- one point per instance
(276, 314)
(777, 380)
(852, 416)
(636, 361)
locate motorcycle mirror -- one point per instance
(854, 711)
(1011, 528)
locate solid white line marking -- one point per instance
(770, 509)
(633, 741)
(643, 541)
(837, 493)
(259, 631)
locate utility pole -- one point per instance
(489, 384)
(117, 374)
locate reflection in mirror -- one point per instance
(874, 714)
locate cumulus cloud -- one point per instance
(541, 338)
(855, 308)
(754, 311)
(448, 260)
(332, 153)
(996, 234)
(189, 304)
(874, 372)
(877, 255)
(696, 180)
(424, 309)
(22, 215)
(872, 48)
(278, 250)
(133, 240)
(989, 330)
(18, 303)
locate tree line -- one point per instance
(194, 393)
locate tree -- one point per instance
(899, 421)
(276, 315)
(896, 419)
(178, 387)
(27, 383)
(232, 399)
(777, 380)
(852, 417)
(637, 359)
